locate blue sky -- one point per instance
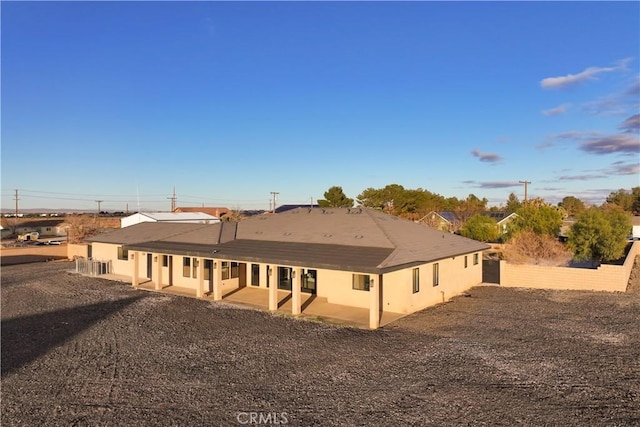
(229, 101)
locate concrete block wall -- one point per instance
(608, 278)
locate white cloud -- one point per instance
(487, 157)
(624, 144)
(560, 109)
(589, 73)
(632, 124)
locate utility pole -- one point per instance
(173, 200)
(16, 199)
(98, 202)
(275, 195)
(526, 183)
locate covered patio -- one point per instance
(312, 306)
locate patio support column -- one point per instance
(200, 289)
(217, 283)
(158, 282)
(134, 278)
(273, 291)
(295, 290)
(374, 304)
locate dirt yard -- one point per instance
(80, 351)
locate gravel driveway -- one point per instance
(80, 351)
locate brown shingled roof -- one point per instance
(350, 239)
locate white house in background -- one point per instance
(5, 232)
(169, 217)
(635, 230)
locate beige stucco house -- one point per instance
(355, 257)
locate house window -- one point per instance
(235, 270)
(436, 274)
(466, 261)
(416, 280)
(186, 266)
(309, 280)
(225, 270)
(165, 260)
(285, 278)
(361, 282)
(255, 275)
(475, 259)
(123, 254)
(195, 268)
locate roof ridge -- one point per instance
(180, 232)
(379, 225)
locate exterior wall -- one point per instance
(75, 250)
(50, 251)
(454, 278)
(109, 251)
(334, 285)
(610, 278)
(134, 219)
(337, 287)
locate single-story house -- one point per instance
(444, 221)
(170, 217)
(354, 257)
(217, 211)
(502, 218)
(285, 208)
(635, 227)
(5, 232)
(50, 227)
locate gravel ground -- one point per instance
(80, 351)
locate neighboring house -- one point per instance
(5, 232)
(285, 208)
(172, 217)
(635, 227)
(502, 218)
(355, 257)
(218, 212)
(444, 221)
(44, 227)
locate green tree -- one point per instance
(513, 203)
(470, 206)
(635, 207)
(573, 206)
(334, 197)
(480, 227)
(538, 217)
(600, 234)
(623, 198)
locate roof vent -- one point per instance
(358, 236)
(327, 235)
(287, 234)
